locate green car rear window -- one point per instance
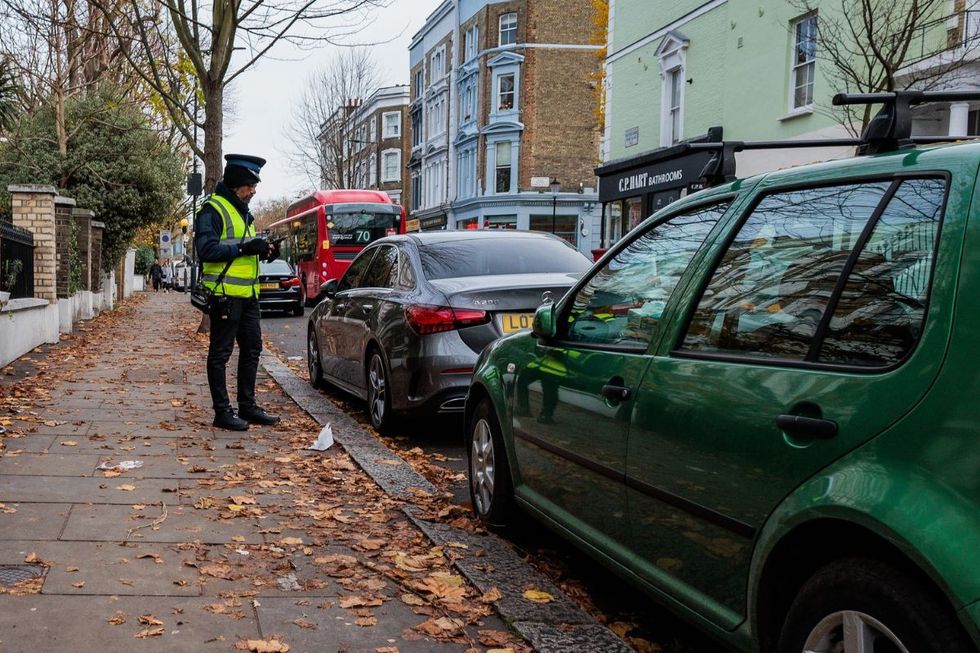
(779, 292)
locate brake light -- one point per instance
(425, 319)
(289, 283)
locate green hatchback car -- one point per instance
(762, 406)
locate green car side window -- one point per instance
(622, 303)
(769, 296)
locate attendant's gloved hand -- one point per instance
(273, 252)
(256, 247)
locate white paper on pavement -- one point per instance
(325, 440)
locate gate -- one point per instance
(16, 260)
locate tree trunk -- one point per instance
(213, 123)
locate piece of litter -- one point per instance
(288, 583)
(325, 440)
(242, 552)
(295, 358)
(123, 466)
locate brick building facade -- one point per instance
(503, 105)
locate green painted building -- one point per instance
(694, 70)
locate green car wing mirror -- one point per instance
(544, 322)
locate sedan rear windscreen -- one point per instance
(489, 256)
(278, 266)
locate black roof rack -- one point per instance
(890, 129)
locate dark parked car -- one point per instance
(761, 407)
(279, 288)
(404, 325)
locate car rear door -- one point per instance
(363, 304)
(573, 401)
(809, 337)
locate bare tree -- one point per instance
(871, 46)
(270, 210)
(329, 142)
(208, 34)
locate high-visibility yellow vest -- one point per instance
(242, 278)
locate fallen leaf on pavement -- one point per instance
(149, 632)
(156, 557)
(303, 623)
(262, 646)
(69, 443)
(126, 487)
(117, 619)
(80, 584)
(492, 595)
(149, 620)
(411, 599)
(537, 596)
(364, 622)
(71, 569)
(111, 473)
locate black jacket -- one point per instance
(208, 226)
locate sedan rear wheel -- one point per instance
(491, 488)
(313, 360)
(378, 392)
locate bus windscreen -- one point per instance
(360, 228)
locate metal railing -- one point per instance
(951, 32)
(16, 260)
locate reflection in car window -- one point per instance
(622, 303)
(379, 275)
(488, 256)
(352, 277)
(278, 266)
(406, 275)
(769, 292)
(878, 318)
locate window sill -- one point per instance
(797, 113)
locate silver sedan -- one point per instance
(403, 327)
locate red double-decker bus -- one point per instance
(323, 232)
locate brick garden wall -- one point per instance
(62, 223)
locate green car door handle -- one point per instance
(807, 427)
(615, 393)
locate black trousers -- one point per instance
(234, 319)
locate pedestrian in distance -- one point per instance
(156, 275)
(226, 244)
(168, 277)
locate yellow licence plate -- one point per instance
(511, 322)
(268, 286)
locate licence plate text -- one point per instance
(511, 322)
(268, 286)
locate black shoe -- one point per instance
(227, 419)
(257, 416)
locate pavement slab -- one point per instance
(161, 466)
(33, 521)
(53, 489)
(325, 626)
(50, 464)
(29, 444)
(101, 523)
(151, 428)
(123, 446)
(69, 623)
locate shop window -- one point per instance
(500, 222)
(469, 223)
(563, 226)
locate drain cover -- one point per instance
(13, 574)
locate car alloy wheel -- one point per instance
(851, 631)
(379, 405)
(313, 360)
(491, 488)
(482, 467)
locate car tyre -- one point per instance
(313, 364)
(378, 392)
(873, 600)
(491, 485)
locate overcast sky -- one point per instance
(265, 95)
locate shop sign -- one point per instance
(680, 172)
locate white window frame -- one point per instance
(419, 82)
(796, 67)
(372, 170)
(373, 129)
(510, 166)
(472, 38)
(499, 94)
(385, 156)
(437, 64)
(672, 57)
(511, 28)
(391, 133)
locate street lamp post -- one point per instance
(555, 187)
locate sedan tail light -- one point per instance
(425, 319)
(289, 283)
